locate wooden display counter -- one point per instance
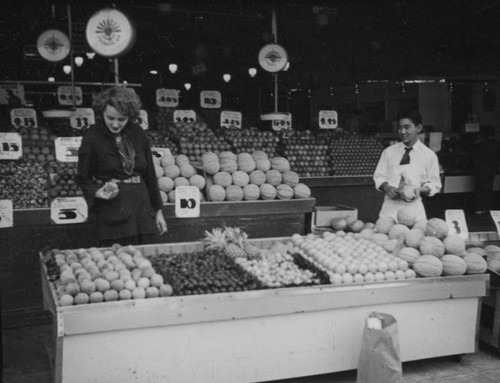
(33, 230)
(260, 335)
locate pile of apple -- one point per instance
(348, 257)
(277, 269)
(354, 155)
(251, 140)
(61, 178)
(102, 275)
(38, 144)
(308, 154)
(25, 183)
(160, 140)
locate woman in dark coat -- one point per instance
(117, 175)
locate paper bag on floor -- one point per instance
(379, 360)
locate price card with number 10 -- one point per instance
(82, 118)
(230, 119)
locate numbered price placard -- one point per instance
(184, 116)
(6, 213)
(26, 117)
(210, 99)
(143, 119)
(68, 210)
(187, 202)
(328, 119)
(67, 148)
(230, 119)
(82, 118)
(11, 146)
(456, 223)
(282, 123)
(65, 95)
(167, 98)
(160, 152)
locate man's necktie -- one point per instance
(405, 160)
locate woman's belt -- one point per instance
(131, 180)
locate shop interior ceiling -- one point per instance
(328, 42)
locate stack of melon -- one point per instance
(427, 246)
(173, 171)
(249, 177)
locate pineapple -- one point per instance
(215, 240)
(234, 251)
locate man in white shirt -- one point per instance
(407, 170)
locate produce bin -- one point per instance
(257, 335)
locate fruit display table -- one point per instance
(257, 335)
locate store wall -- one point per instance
(434, 104)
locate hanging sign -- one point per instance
(65, 95)
(187, 202)
(283, 121)
(110, 33)
(67, 148)
(10, 94)
(229, 119)
(26, 117)
(67, 210)
(167, 98)
(11, 146)
(82, 118)
(328, 119)
(6, 213)
(53, 45)
(210, 99)
(273, 57)
(456, 223)
(142, 120)
(160, 152)
(184, 116)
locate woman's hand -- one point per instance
(161, 224)
(108, 191)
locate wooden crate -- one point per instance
(257, 335)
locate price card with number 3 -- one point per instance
(210, 99)
(26, 117)
(82, 118)
(328, 119)
(167, 98)
(230, 119)
(184, 116)
(283, 123)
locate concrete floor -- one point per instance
(26, 357)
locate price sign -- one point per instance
(187, 202)
(143, 119)
(11, 146)
(328, 119)
(230, 119)
(6, 213)
(456, 223)
(168, 98)
(82, 118)
(184, 116)
(495, 215)
(210, 99)
(65, 95)
(26, 117)
(284, 122)
(67, 148)
(68, 210)
(160, 152)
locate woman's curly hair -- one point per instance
(124, 100)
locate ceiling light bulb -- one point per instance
(172, 68)
(252, 72)
(187, 86)
(79, 60)
(153, 71)
(90, 55)
(226, 77)
(51, 79)
(67, 69)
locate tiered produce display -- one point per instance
(62, 179)
(228, 261)
(355, 155)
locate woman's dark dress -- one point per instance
(133, 211)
